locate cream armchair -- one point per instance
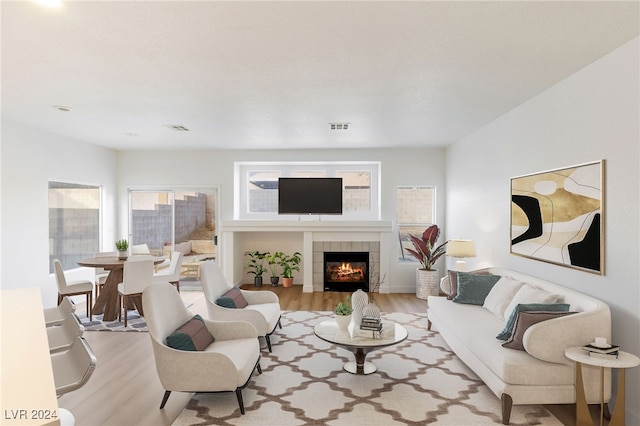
(263, 310)
(226, 365)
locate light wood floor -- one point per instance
(125, 389)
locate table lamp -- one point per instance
(461, 249)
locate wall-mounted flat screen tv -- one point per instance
(309, 195)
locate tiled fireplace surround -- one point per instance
(312, 239)
(319, 247)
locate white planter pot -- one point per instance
(427, 283)
(343, 321)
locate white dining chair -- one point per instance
(73, 288)
(137, 275)
(101, 273)
(73, 367)
(172, 273)
(56, 315)
(61, 337)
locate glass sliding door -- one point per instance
(151, 219)
(183, 220)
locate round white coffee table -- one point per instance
(360, 342)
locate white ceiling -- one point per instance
(249, 75)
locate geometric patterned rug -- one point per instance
(419, 381)
(134, 323)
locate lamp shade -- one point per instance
(461, 248)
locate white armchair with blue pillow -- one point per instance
(194, 354)
(228, 303)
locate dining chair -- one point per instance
(143, 250)
(56, 315)
(224, 362)
(61, 337)
(172, 273)
(73, 367)
(101, 273)
(73, 288)
(137, 275)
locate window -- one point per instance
(256, 194)
(74, 223)
(415, 211)
(162, 218)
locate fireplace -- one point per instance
(346, 271)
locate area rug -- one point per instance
(134, 323)
(419, 381)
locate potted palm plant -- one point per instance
(427, 254)
(273, 260)
(289, 263)
(255, 265)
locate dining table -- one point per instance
(108, 301)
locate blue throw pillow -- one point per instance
(506, 332)
(473, 289)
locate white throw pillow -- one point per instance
(528, 294)
(501, 295)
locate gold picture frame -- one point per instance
(557, 216)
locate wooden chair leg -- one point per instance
(507, 402)
(124, 308)
(268, 339)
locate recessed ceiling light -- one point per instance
(132, 134)
(339, 126)
(62, 108)
(177, 127)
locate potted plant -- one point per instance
(123, 249)
(342, 313)
(289, 263)
(427, 254)
(255, 265)
(273, 260)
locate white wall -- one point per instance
(400, 167)
(591, 115)
(30, 158)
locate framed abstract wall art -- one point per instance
(557, 216)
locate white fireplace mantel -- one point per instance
(310, 232)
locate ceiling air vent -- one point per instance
(177, 127)
(339, 126)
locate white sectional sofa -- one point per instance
(539, 374)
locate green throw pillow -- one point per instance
(225, 302)
(473, 289)
(232, 299)
(506, 332)
(191, 336)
